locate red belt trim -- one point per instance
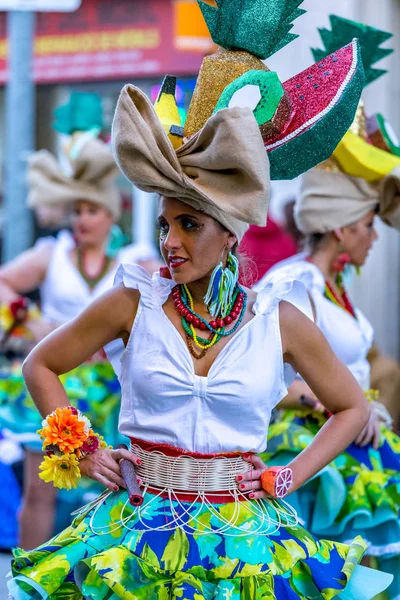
(188, 496)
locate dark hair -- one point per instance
(314, 241)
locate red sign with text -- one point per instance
(106, 39)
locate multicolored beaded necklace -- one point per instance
(344, 303)
(92, 280)
(329, 293)
(191, 321)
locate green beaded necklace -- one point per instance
(91, 281)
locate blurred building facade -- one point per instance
(101, 47)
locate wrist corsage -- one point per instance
(67, 438)
(14, 315)
(276, 481)
(380, 410)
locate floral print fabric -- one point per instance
(98, 558)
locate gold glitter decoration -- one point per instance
(359, 125)
(217, 71)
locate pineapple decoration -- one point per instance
(370, 149)
(302, 120)
(370, 39)
(247, 33)
(79, 120)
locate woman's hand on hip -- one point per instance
(251, 480)
(40, 329)
(103, 466)
(371, 434)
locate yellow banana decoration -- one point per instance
(168, 112)
(358, 158)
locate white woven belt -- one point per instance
(186, 473)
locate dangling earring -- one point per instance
(115, 241)
(221, 287)
(341, 261)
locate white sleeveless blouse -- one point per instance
(164, 401)
(64, 292)
(349, 338)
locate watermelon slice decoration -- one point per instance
(303, 120)
(276, 481)
(324, 99)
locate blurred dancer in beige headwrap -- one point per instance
(71, 271)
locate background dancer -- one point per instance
(358, 493)
(71, 271)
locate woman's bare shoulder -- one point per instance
(125, 298)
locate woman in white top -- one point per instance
(196, 409)
(358, 493)
(71, 271)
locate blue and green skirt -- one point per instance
(93, 388)
(109, 553)
(358, 494)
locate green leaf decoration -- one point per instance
(82, 112)
(370, 38)
(257, 26)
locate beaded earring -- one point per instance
(115, 241)
(342, 260)
(222, 286)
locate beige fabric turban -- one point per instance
(330, 200)
(92, 179)
(223, 170)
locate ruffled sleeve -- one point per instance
(296, 267)
(154, 291)
(278, 287)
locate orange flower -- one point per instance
(64, 430)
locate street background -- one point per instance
(106, 44)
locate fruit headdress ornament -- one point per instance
(364, 170)
(84, 170)
(370, 149)
(301, 120)
(240, 116)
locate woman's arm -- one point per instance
(108, 318)
(306, 349)
(25, 273)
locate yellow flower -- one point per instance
(63, 471)
(6, 319)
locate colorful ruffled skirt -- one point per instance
(170, 549)
(358, 494)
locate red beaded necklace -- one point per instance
(343, 303)
(329, 293)
(191, 321)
